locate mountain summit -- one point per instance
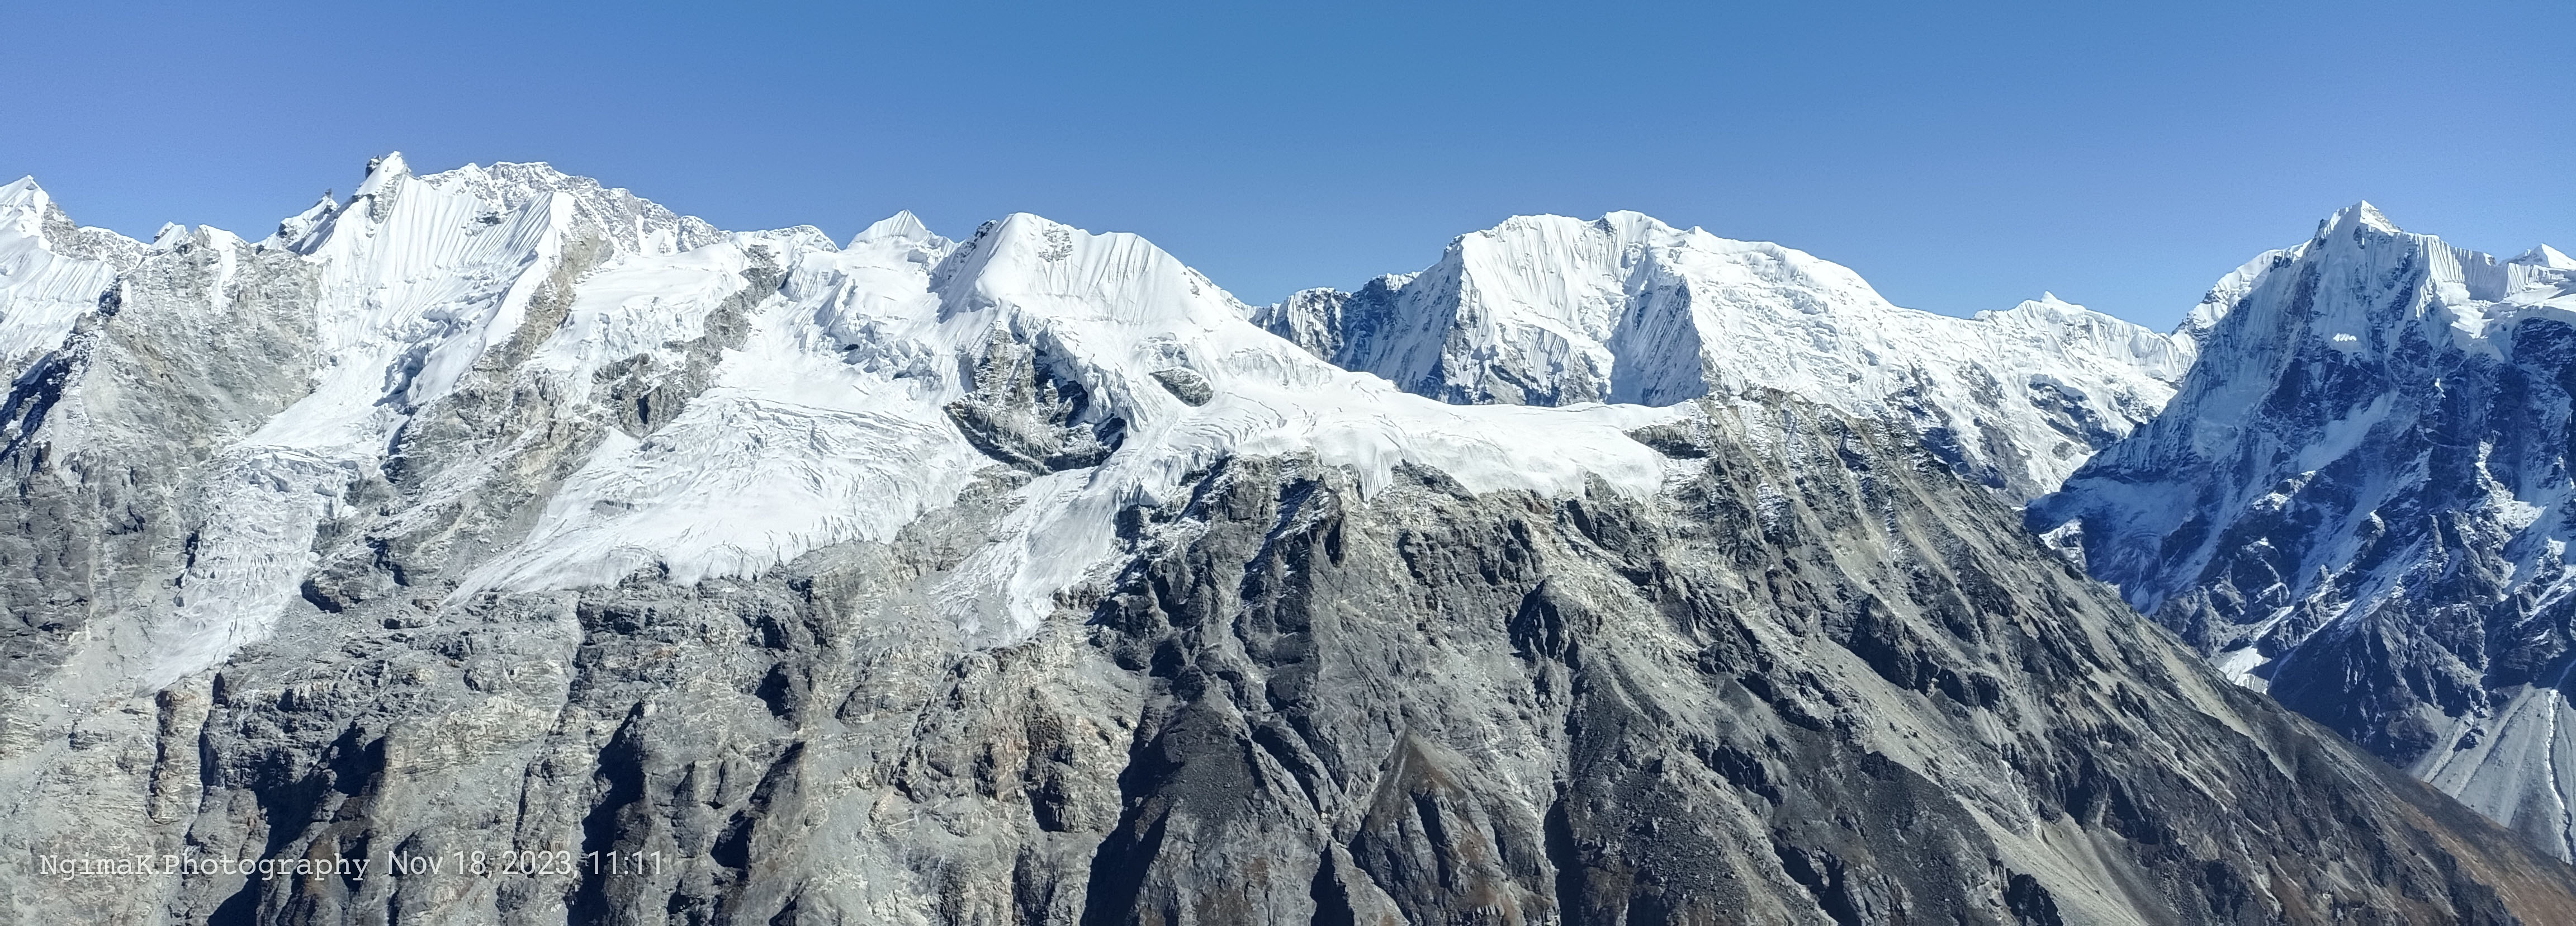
(2358, 499)
(1549, 310)
(742, 577)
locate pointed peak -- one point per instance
(295, 227)
(2545, 256)
(171, 235)
(383, 171)
(901, 226)
(1048, 234)
(23, 197)
(2358, 215)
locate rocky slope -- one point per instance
(2358, 500)
(1549, 310)
(496, 521)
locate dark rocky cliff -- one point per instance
(1819, 680)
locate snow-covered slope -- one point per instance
(1549, 310)
(832, 421)
(1022, 578)
(50, 271)
(2360, 499)
(772, 394)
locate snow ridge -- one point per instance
(1550, 310)
(819, 428)
(2359, 499)
(48, 277)
(826, 392)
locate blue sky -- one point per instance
(1959, 156)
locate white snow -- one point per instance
(828, 425)
(2546, 256)
(43, 291)
(1629, 309)
(2359, 303)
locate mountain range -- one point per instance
(2358, 501)
(1602, 572)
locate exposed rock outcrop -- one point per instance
(643, 578)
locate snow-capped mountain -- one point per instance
(1021, 578)
(1549, 310)
(772, 393)
(2360, 500)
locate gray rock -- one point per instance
(2356, 502)
(1816, 678)
(1186, 384)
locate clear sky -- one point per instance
(1960, 156)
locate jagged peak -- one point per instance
(2545, 256)
(171, 235)
(630, 222)
(28, 211)
(382, 172)
(2358, 215)
(1312, 293)
(1028, 253)
(901, 226)
(23, 193)
(24, 204)
(293, 229)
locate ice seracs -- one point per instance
(753, 396)
(834, 418)
(772, 394)
(918, 575)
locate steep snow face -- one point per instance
(2359, 499)
(1549, 310)
(50, 272)
(381, 305)
(667, 399)
(879, 380)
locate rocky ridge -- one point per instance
(1018, 578)
(2358, 501)
(1550, 310)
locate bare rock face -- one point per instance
(1834, 706)
(1756, 661)
(1870, 701)
(2358, 502)
(1024, 415)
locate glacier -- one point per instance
(1603, 572)
(824, 418)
